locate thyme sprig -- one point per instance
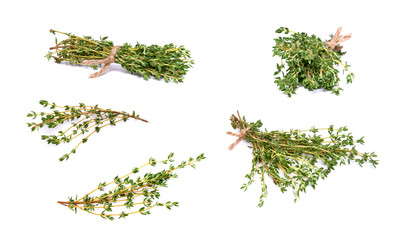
(307, 61)
(298, 158)
(167, 62)
(141, 193)
(80, 119)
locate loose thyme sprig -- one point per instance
(83, 119)
(309, 62)
(167, 62)
(125, 193)
(297, 158)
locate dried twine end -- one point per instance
(240, 136)
(106, 61)
(337, 39)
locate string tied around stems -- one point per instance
(240, 136)
(337, 39)
(106, 61)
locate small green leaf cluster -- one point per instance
(167, 62)
(83, 121)
(307, 61)
(297, 159)
(126, 193)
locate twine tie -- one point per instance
(106, 61)
(240, 136)
(337, 39)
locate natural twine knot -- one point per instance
(240, 136)
(337, 39)
(106, 61)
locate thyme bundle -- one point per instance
(167, 62)
(82, 119)
(297, 158)
(125, 193)
(309, 62)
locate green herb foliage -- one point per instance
(298, 158)
(167, 62)
(130, 195)
(82, 120)
(307, 61)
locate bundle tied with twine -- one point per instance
(309, 62)
(297, 159)
(167, 62)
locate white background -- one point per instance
(231, 43)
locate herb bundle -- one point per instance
(167, 62)
(141, 193)
(297, 158)
(82, 119)
(309, 62)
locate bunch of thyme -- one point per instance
(309, 62)
(167, 62)
(83, 119)
(297, 158)
(126, 193)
